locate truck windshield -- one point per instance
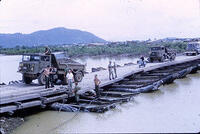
(31, 58)
(156, 48)
(61, 56)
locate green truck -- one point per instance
(32, 67)
(161, 53)
(193, 48)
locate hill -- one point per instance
(55, 36)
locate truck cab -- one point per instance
(193, 48)
(161, 53)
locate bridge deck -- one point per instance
(18, 96)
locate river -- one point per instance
(173, 108)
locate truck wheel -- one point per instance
(151, 60)
(41, 79)
(26, 80)
(78, 77)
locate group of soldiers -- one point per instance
(112, 70)
(73, 87)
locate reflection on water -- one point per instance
(173, 108)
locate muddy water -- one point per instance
(173, 108)
(8, 68)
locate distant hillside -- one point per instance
(49, 37)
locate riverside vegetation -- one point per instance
(132, 48)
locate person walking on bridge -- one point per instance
(96, 83)
(46, 74)
(115, 70)
(110, 70)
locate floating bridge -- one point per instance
(113, 92)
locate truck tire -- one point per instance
(78, 76)
(41, 79)
(26, 80)
(151, 60)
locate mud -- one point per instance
(8, 124)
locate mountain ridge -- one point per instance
(54, 36)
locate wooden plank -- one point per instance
(52, 92)
(22, 94)
(55, 98)
(30, 104)
(125, 86)
(5, 109)
(19, 98)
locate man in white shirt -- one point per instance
(70, 79)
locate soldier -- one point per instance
(51, 75)
(70, 79)
(141, 62)
(110, 70)
(96, 83)
(115, 70)
(47, 51)
(46, 74)
(76, 89)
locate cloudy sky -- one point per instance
(110, 19)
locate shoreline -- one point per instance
(9, 124)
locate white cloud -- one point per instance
(109, 19)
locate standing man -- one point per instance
(96, 83)
(142, 63)
(70, 79)
(76, 89)
(51, 75)
(115, 70)
(110, 70)
(47, 51)
(46, 74)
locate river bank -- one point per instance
(8, 124)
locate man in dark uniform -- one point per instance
(96, 83)
(47, 51)
(115, 69)
(51, 75)
(46, 74)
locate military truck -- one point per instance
(193, 48)
(161, 53)
(32, 67)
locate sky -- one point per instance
(112, 20)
